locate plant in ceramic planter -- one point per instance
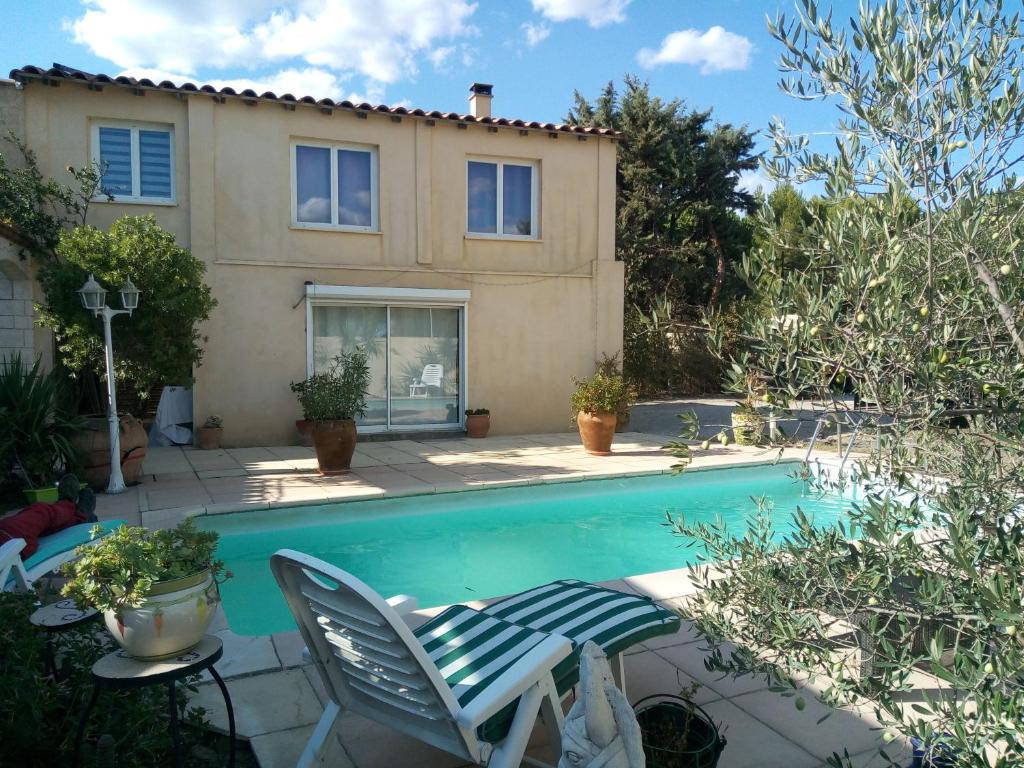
(157, 589)
(596, 403)
(332, 400)
(209, 435)
(478, 422)
(747, 423)
(37, 429)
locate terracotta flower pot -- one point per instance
(478, 424)
(305, 428)
(597, 431)
(334, 443)
(208, 438)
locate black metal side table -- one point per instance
(59, 617)
(118, 671)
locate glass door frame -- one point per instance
(415, 298)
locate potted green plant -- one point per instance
(478, 422)
(157, 590)
(209, 435)
(676, 733)
(610, 366)
(332, 400)
(747, 423)
(37, 428)
(596, 404)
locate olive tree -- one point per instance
(907, 292)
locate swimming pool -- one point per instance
(452, 547)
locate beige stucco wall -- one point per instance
(540, 311)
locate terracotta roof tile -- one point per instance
(28, 73)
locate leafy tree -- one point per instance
(907, 286)
(35, 208)
(160, 342)
(677, 228)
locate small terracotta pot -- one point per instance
(478, 424)
(208, 438)
(334, 443)
(305, 428)
(597, 431)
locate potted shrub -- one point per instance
(676, 733)
(209, 435)
(596, 404)
(478, 422)
(35, 447)
(332, 400)
(747, 423)
(610, 366)
(157, 589)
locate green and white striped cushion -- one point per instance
(471, 649)
(581, 611)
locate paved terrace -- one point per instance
(278, 698)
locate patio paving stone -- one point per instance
(289, 647)
(690, 659)
(278, 701)
(663, 585)
(282, 749)
(647, 673)
(244, 655)
(854, 731)
(752, 744)
(167, 460)
(209, 474)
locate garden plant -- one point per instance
(904, 288)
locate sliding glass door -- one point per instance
(415, 356)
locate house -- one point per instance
(474, 257)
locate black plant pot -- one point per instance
(677, 733)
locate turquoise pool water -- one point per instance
(451, 547)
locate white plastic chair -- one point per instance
(372, 664)
(432, 376)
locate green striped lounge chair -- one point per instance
(580, 611)
(466, 682)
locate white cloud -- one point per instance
(439, 57)
(298, 82)
(380, 39)
(596, 13)
(715, 50)
(752, 181)
(536, 33)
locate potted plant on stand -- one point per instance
(478, 422)
(596, 404)
(209, 435)
(332, 400)
(157, 590)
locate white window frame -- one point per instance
(425, 298)
(136, 196)
(534, 198)
(333, 224)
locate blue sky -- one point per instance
(711, 53)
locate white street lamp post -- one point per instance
(94, 299)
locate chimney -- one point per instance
(480, 99)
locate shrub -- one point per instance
(40, 714)
(35, 425)
(160, 343)
(337, 393)
(602, 393)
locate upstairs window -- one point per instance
(502, 198)
(136, 162)
(334, 186)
